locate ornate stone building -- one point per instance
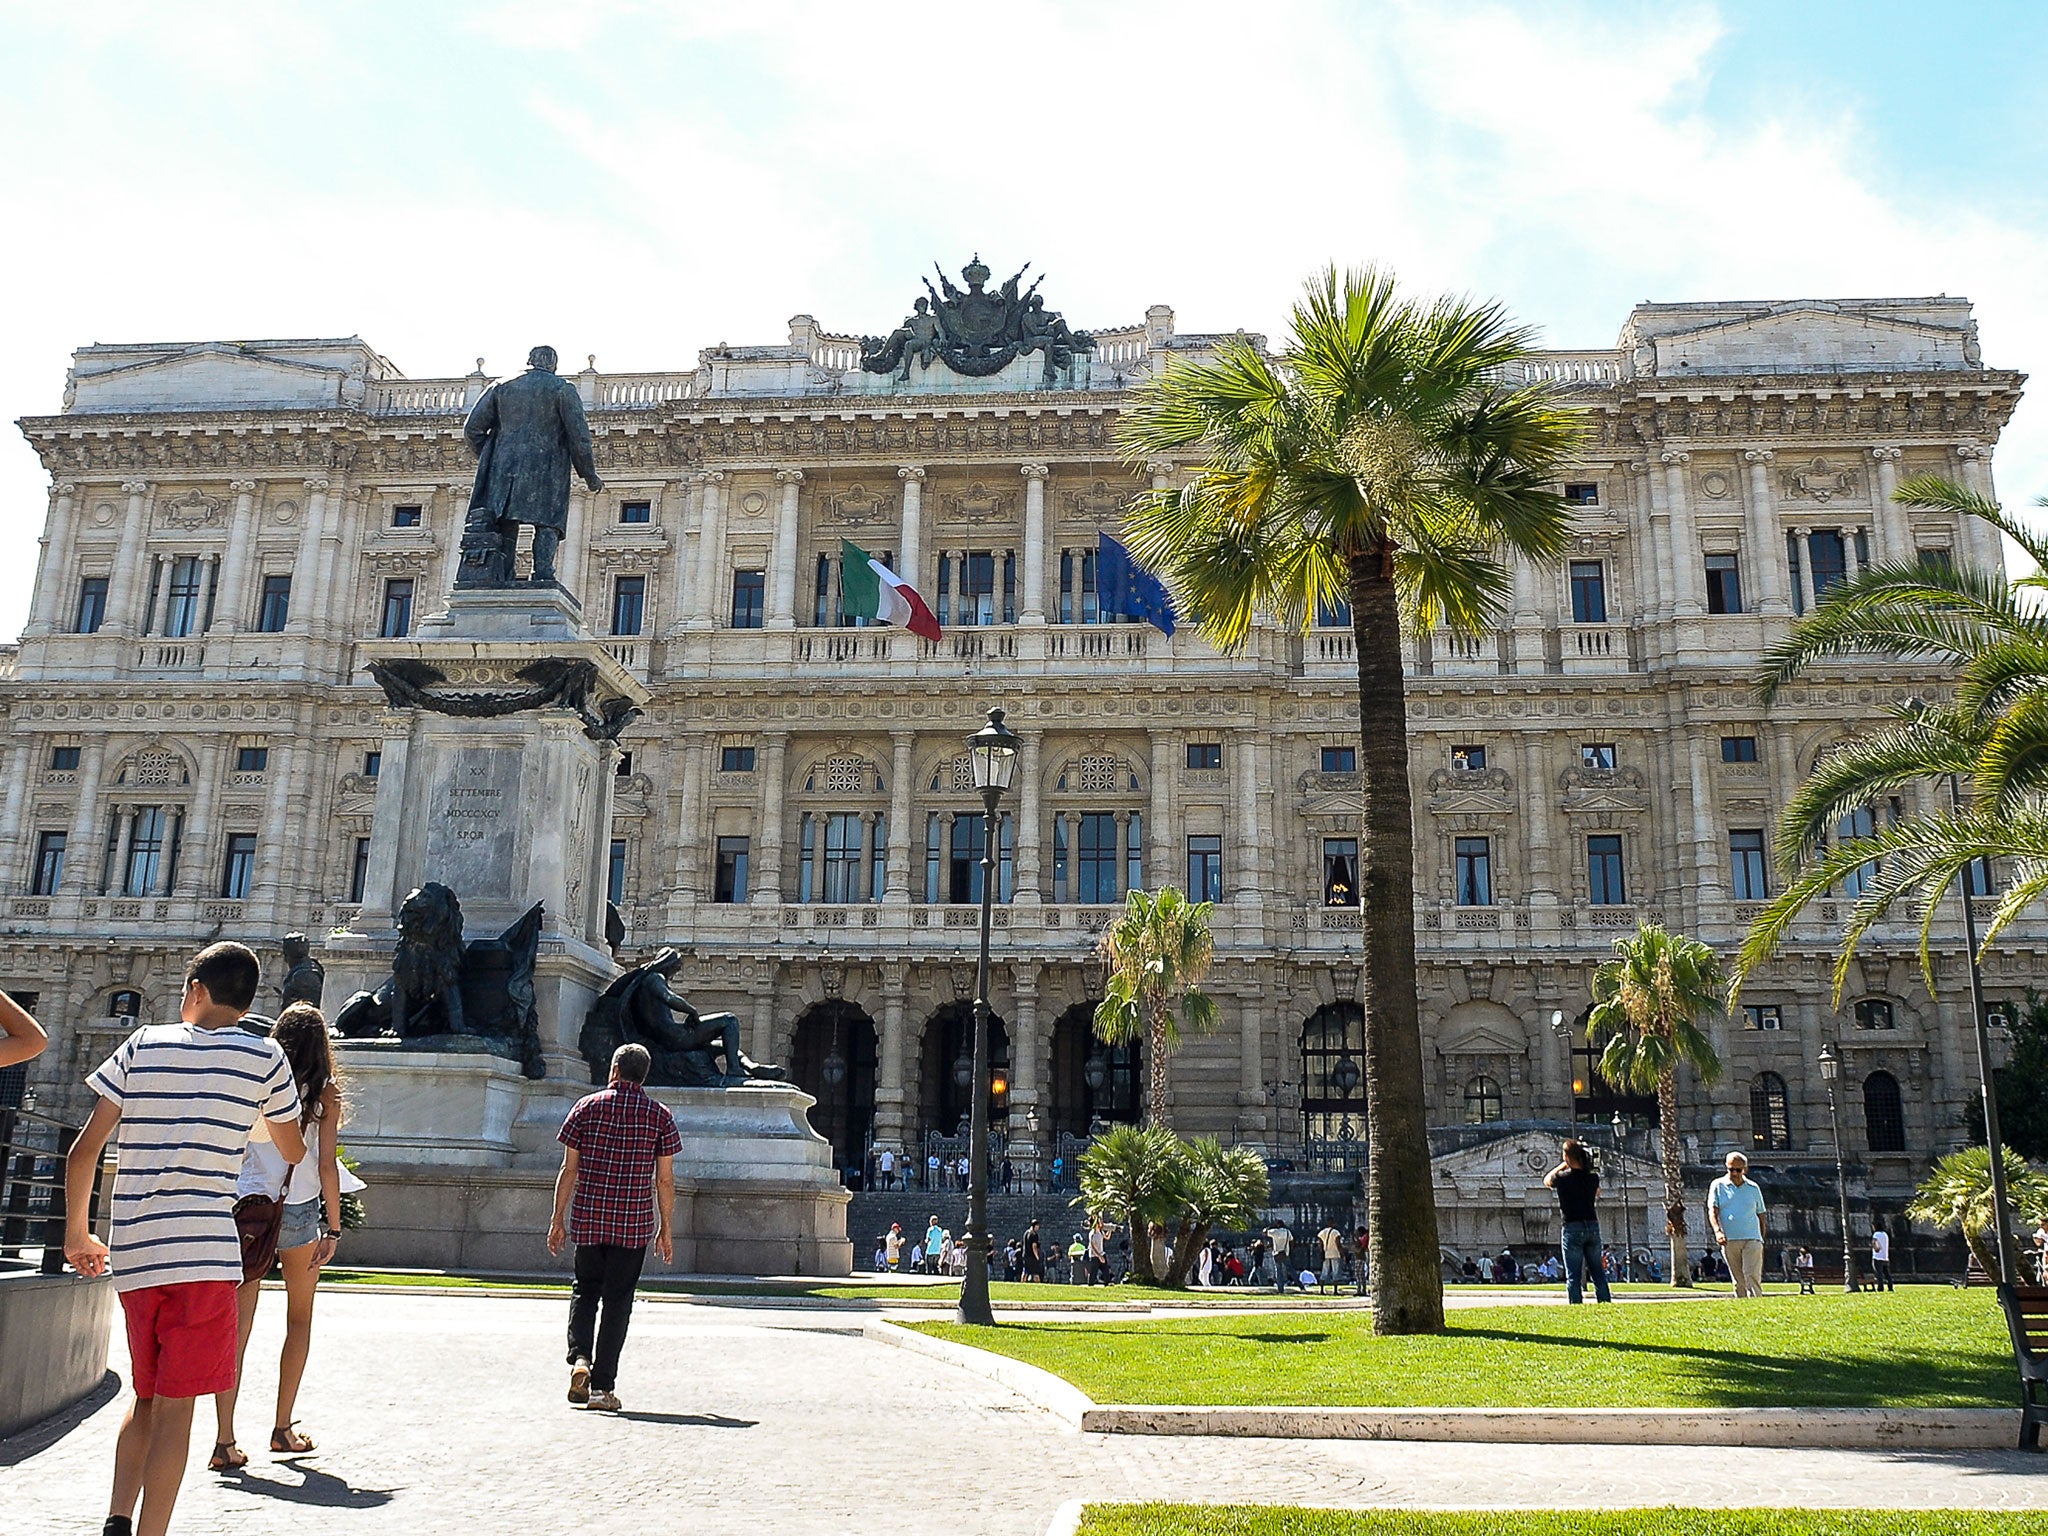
(193, 748)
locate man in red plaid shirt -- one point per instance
(616, 1190)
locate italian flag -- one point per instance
(875, 592)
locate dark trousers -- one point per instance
(1881, 1275)
(604, 1273)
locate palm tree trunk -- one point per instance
(1188, 1241)
(1408, 1290)
(1673, 1157)
(1141, 1249)
(1155, 1064)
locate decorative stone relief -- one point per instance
(858, 505)
(977, 503)
(1818, 480)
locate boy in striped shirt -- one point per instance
(183, 1097)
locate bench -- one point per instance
(2026, 1314)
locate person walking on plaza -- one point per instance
(183, 1097)
(1577, 1188)
(1361, 1259)
(1332, 1243)
(1098, 1253)
(1881, 1260)
(21, 1037)
(892, 1247)
(934, 1244)
(1802, 1267)
(1034, 1254)
(616, 1191)
(309, 1225)
(1735, 1209)
(1280, 1241)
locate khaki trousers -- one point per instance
(1746, 1264)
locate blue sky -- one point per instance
(638, 180)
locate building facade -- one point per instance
(193, 748)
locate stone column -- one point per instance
(767, 871)
(761, 1032)
(897, 881)
(47, 609)
(911, 552)
(1251, 1076)
(1241, 863)
(451, 556)
(231, 604)
(1806, 590)
(867, 858)
(889, 1068)
(690, 828)
(1977, 542)
(272, 845)
(1158, 850)
(1527, 620)
(198, 852)
(1030, 887)
(1123, 852)
(80, 854)
(124, 587)
(1705, 846)
(1027, 1048)
(1073, 821)
(1543, 882)
(306, 568)
(782, 606)
(124, 850)
(1765, 538)
(1894, 523)
(1685, 544)
(375, 913)
(675, 515)
(20, 764)
(1033, 611)
(569, 562)
(710, 551)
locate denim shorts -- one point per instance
(301, 1225)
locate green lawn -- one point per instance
(1238, 1520)
(1925, 1347)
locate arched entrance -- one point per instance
(833, 1060)
(946, 1069)
(1090, 1080)
(1333, 1086)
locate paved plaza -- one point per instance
(444, 1413)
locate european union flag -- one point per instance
(1126, 587)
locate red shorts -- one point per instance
(181, 1338)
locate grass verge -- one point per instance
(1204, 1520)
(1918, 1348)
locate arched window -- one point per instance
(125, 1005)
(1770, 1113)
(1884, 1115)
(1333, 1084)
(1483, 1101)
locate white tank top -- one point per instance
(265, 1172)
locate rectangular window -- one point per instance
(1792, 569)
(963, 861)
(1604, 882)
(1983, 879)
(878, 867)
(1589, 592)
(1762, 1016)
(615, 872)
(1724, 585)
(92, 605)
(945, 604)
(731, 880)
(49, 870)
(397, 608)
(933, 855)
(843, 867)
(1134, 852)
(1470, 758)
(1935, 559)
(240, 869)
(625, 768)
(1474, 858)
(636, 511)
(1340, 759)
(1333, 613)
(1097, 862)
(1738, 749)
(1873, 1013)
(749, 595)
(252, 759)
(406, 517)
(736, 759)
(145, 852)
(821, 606)
(629, 604)
(1205, 869)
(1340, 871)
(1748, 872)
(1582, 494)
(1066, 586)
(1597, 756)
(63, 759)
(359, 870)
(1060, 890)
(1009, 587)
(1830, 561)
(1862, 549)
(181, 613)
(978, 588)
(1205, 754)
(373, 764)
(275, 610)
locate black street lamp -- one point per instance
(1620, 1129)
(992, 751)
(1830, 1068)
(1563, 1031)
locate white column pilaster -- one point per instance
(1241, 863)
(1768, 563)
(47, 608)
(198, 851)
(896, 878)
(306, 567)
(675, 517)
(21, 863)
(782, 601)
(570, 561)
(231, 603)
(912, 550)
(1978, 543)
(1158, 846)
(1894, 523)
(125, 587)
(1033, 611)
(81, 856)
(710, 549)
(1685, 544)
(1030, 886)
(766, 875)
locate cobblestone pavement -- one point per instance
(444, 1414)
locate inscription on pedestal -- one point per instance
(475, 822)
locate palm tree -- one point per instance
(1122, 1176)
(1213, 1186)
(1382, 459)
(1646, 1002)
(1158, 952)
(1957, 1193)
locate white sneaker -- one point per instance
(604, 1402)
(579, 1383)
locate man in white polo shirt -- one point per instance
(184, 1097)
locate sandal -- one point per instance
(287, 1441)
(227, 1457)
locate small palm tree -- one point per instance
(1122, 1176)
(1386, 459)
(1957, 1193)
(1213, 1186)
(1158, 953)
(1646, 1002)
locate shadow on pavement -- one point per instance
(701, 1420)
(40, 1436)
(315, 1489)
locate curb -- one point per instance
(1066, 1520)
(1947, 1429)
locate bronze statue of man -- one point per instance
(527, 434)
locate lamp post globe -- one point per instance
(992, 753)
